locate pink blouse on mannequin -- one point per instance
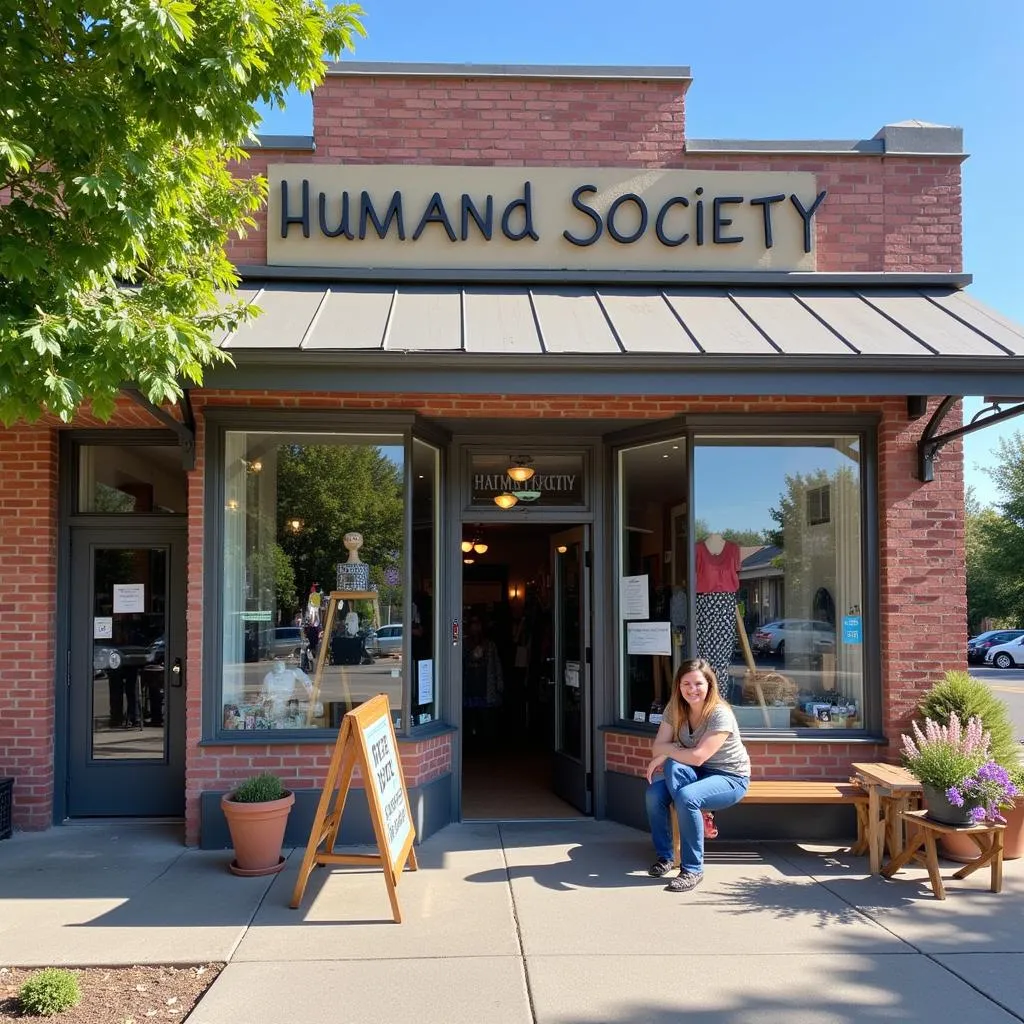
(718, 574)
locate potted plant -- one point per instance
(257, 815)
(962, 784)
(960, 692)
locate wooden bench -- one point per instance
(796, 791)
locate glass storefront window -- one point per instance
(779, 520)
(307, 515)
(652, 595)
(423, 638)
(130, 479)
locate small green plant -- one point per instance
(50, 991)
(258, 789)
(971, 698)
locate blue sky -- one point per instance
(790, 69)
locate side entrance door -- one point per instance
(126, 700)
(570, 573)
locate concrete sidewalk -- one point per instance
(549, 922)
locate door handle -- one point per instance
(177, 673)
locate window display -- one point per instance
(776, 567)
(321, 516)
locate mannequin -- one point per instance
(717, 562)
(280, 686)
(353, 574)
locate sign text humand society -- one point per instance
(555, 218)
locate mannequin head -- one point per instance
(353, 541)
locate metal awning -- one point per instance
(807, 335)
(857, 323)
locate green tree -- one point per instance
(332, 489)
(998, 558)
(118, 123)
(983, 571)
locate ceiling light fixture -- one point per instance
(467, 545)
(505, 500)
(561, 549)
(468, 561)
(520, 470)
(480, 548)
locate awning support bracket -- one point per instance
(185, 428)
(932, 442)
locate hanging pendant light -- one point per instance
(505, 500)
(479, 547)
(467, 545)
(520, 470)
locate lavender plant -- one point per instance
(944, 756)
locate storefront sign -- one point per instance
(554, 218)
(648, 637)
(557, 480)
(633, 597)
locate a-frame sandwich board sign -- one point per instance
(366, 739)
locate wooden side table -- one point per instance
(988, 837)
(891, 790)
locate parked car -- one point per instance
(1010, 655)
(387, 640)
(285, 642)
(798, 636)
(978, 646)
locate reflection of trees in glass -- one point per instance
(333, 489)
(272, 578)
(745, 538)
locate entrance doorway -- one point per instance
(526, 672)
(126, 708)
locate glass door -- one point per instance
(126, 673)
(570, 572)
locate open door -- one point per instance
(570, 573)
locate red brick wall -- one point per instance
(920, 531)
(897, 213)
(28, 618)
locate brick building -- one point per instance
(536, 347)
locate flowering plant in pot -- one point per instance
(962, 784)
(257, 815)
(960, 692)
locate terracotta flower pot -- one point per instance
(257, 833)
(962, 848)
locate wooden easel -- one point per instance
(748, 657)
(333, 600)
(366, 739)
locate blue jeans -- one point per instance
(692, 790)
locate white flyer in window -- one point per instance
(102, 628)
(425, 681)
(129, 597)
(633, 602)
(648, 637)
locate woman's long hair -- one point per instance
(677, 710)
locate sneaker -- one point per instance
(685, 881)
(710, 828)
(659, 868)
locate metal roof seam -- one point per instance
(672, 309)
(608, 319)
(965, 323)
(824, 323)
(388, 320)
(226, 343)
(313, 320)
(906, 330)
(753, 323)
(536, 322)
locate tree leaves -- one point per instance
(118, 126)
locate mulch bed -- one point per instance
(118, 995)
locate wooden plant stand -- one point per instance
(921, 848)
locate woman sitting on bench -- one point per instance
(705, 768)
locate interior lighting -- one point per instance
(520, 470)
(480, 549)
(505, 500)
(468, 561)
(561, 549)
(467, 545)
(294, 525)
